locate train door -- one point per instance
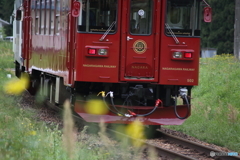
(72, 31)
(98, 41)
(139, 54)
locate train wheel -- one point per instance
(33, 86)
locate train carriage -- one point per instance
(141, 57)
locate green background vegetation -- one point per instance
(215, 112)
(6, 10)
(219, 33)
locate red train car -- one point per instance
(140, 56)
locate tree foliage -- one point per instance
(6, 9)
(219, 33)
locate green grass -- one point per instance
(216, 103)
(6, 55)
(23, 137)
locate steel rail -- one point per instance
(199, 147)
(162, 152)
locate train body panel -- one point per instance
(97, 68)
(49, 56)
(183, 71)
(140, 56)
(49, 51)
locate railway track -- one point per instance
(171, 147)
(186, 149)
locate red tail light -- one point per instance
(188, 55)
(91, 51)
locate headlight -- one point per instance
(177, 54)
(102, 52)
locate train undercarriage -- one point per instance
(125, 102)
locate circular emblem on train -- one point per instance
(139, 46)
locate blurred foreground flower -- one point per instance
(136, 130)
(69, 136)
(17, 86)
(33, 133)
(96, 106)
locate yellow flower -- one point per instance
(17, 86)
(136, 130)
(96, 106)
(33, 133)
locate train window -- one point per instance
(48, 17)
(33, 14)
(57, 18)
(97, 16)
(140, 17)
(175, 15)
(43, 18)
(37, 17)
(52, 15)
(183, 17)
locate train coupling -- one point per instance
(183, 92)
